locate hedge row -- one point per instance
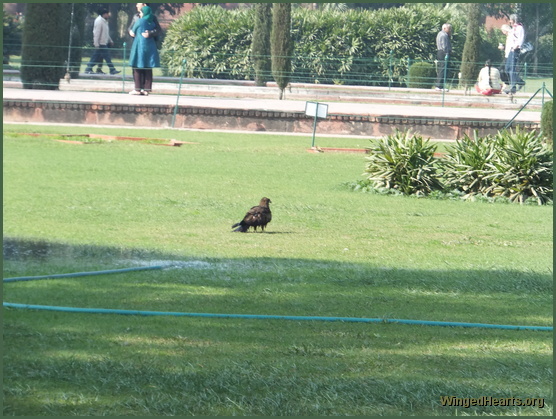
(357, 46)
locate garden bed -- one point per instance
(98, 138)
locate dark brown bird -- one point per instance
(258, 216)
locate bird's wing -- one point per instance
(254, 216)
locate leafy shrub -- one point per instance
(421, 75)
(410, 32)
(513, 166)
(522, 167)
(329, 45)
(356, 46)
(404, 162)
(546, 120)
(215, 43)
(13, 29)
(465, 164)
(545, 50)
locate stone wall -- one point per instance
(22, 111)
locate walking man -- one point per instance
(102, 43)
(444, 49)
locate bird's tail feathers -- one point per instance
(240, 227)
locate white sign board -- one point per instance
(320, 110)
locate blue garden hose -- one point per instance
(238, 316)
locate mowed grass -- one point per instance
(327, 252)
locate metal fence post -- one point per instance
(179, 91)
(524, 76)
(390, 74)
(123, 68)
(408, 73)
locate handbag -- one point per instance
(526, 47)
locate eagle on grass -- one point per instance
(258, 216)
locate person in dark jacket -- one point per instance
(444, 49)
(144, 54)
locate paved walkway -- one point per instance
(339, 108)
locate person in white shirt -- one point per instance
(488, 82)
(102, 42)
(506, 29)
(514, 41)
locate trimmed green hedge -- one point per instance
(421, 75)
(215, 43)
(355, 46)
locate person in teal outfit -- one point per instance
(144, 54)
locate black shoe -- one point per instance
(115, 72)
(100, 72)
(88, 72)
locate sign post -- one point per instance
(317, 110)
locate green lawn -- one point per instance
(533, 84)
(327, 252)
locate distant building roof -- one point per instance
(494, 23)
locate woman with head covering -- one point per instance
(144, 54)
(488, 82)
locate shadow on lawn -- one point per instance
(121, 365)
(294, 287)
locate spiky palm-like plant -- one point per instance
(522, 167)
(465, 164)
(404, 162)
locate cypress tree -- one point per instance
(260, 46)
(281, 45)
(470, 65)
(79, 40)
(45, 45)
